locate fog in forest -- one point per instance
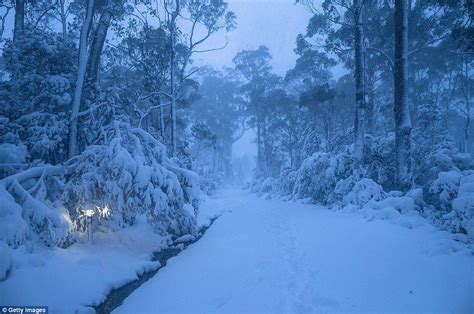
(260, 156)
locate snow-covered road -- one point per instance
(274, 256)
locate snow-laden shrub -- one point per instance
(286, 181)
(318, 175)
(363, 191)
(380, 159)
(461, 218)
(265, 186)
(131, 175)
(445, 188)
(28, 194)
(13, 228)
(46, 135)
(5, 261)
(12, 153)
(402, 204)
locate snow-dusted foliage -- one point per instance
(131, 174)
(363, 191)
(35, 101)
(28, 212)
(318, 175)
(453, 192)
(5, 261)
(13, 228)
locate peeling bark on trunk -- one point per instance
(360, 110)
(19, 28)
(81, 74)
(403, 175)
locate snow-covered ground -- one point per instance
(274, 256)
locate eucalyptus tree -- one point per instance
(255, 68)
(338, 27)
(80, 79)
(189, 23)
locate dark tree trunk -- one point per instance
(97, 44)
(19, 28)
(360, 110)
(404, 178)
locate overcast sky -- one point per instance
(274, 23)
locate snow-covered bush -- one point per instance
(461, 218)
(12, 153)
(266, 186)
(131, 175)
(36, 98)
(13, 228)
(445, 188)
(318, 175)
(29, 213)
(363, 191)
(5, 261)
(46, 134)
(402, 204)
(286, 182)
(380, 160)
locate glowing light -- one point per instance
(88, 212)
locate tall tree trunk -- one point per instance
(360, 110)
(370, 104)
(19, 28)
(173, 76)
(260, 149)
(81, 74)
(63, 18)
(404, 178)
(97, 44)
(467, 96)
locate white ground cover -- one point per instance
(274, 256)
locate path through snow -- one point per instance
(274, 256)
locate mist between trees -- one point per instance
(102, 109)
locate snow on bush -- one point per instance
(132, 175)
(318, 175)
(5, 261)
(13, 229)
(445, 187)
(265, 187)
(24, 195)
(12, 154)
(402, 204)
(461, 218)
(379, 159)
(286, 182)
(363, 191)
